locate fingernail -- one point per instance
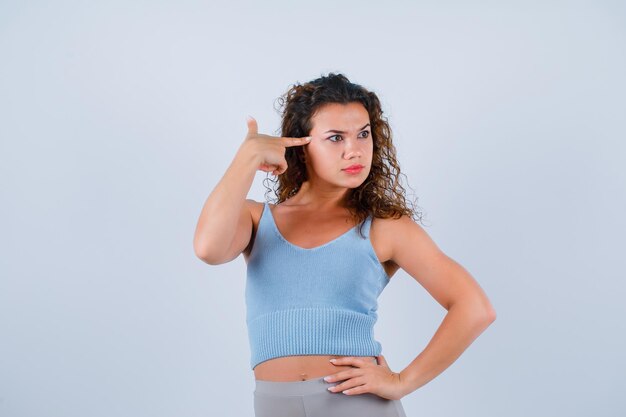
(326, 378)
(333, 360)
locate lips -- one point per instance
(353, 169)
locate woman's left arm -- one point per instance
(469, 309)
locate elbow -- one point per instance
(209, 260)
(485, 310)
(206, 255)
(481, 311)
(489, 315)
(202, 256)
(212, 255)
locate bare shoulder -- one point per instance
(403, 233)
(392, 235)
(255, 208)
(383, 235)
(389, 230)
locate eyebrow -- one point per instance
(341, 131)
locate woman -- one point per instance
(318, 259)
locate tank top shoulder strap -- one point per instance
(367, 225)
(364, 226)
(265, 221)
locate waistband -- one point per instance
(309, 386)
(311, 331)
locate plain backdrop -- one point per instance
(118, 118)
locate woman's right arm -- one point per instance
(224, 228)
(225, 222)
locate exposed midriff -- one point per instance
(300, 368)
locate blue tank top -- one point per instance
(318, 301)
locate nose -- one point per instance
(351, 148)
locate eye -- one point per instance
(367, 133)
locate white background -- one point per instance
(118, 118)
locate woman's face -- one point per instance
(342, 137)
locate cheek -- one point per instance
(320, 156)
(323, 163)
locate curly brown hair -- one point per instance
(381, 194)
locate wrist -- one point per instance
(406, 383)
(247, 154)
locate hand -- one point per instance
(367, 377)
(270, 150)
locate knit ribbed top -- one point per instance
(317, 301)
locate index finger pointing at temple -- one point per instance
(296, 141)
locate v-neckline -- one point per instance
(300, 247)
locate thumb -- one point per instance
(252, 126)
(280, 170)
(382, 361)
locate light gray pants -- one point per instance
(311, 398)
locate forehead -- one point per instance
(347, 117)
